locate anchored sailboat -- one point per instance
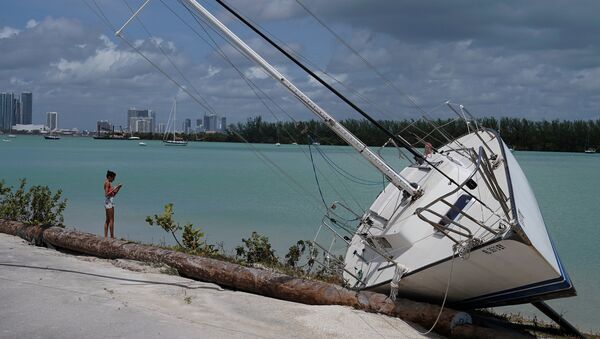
(460, 223)
(170, 129)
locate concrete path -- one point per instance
(49, 294)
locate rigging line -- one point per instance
(211, 110)
(344, 186)
(255, 87)
(380, 109)
(248, 81)
(102, 16)
(320, 80)
(399, 140)
(316, 177)
(343, 172)
(340, 39)
(158, 68)
(198, 20)
(266, 159)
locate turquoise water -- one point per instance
(228, 191)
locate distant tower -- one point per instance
(223, 124)
(133, 114)
(210, 123)
(17, 117)
(187, 126)
(103, 126)
(7, 110)
(52, 121)
(26, 108)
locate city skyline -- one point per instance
(18, 110)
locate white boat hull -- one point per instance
(517, 265)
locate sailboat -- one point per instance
(460, 223)
(175, 141)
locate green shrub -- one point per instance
(192, 240)
(256, 249)
(46, 208)
(38, 206)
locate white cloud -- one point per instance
(19, 82)
(31, 24)
(255, 72)
(7, 32)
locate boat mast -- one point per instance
(395, 178)
(174, 116)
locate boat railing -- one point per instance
(471, 123)
(340, 231)
(484, 168)
(327, 224)
(486, 171)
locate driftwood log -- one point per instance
(272, 284)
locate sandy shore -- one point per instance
(49, 294)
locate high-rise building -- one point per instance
(103, 126)
(52, 121)
(17, 116)
(153, 123)
(161, 127)
(141, 125)
(7, 110)
(26, 108)
(187, 126)
(223, 126)
(135, 113)
(210, 123)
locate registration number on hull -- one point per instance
(493, 249)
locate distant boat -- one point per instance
(51, 137)
(171, 125)
(277, 144)
(12, 136)
(590, 150)
(134, 138)
(294, 143)
(6, 140)
(316, 143)
(142, 143)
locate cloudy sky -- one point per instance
(532, 59)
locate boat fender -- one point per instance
(461, 318)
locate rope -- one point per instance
(445, 296)
(345, 173)
(395, 283)
(316, 176)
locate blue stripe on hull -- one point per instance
(549, 289)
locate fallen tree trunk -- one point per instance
(253, 280)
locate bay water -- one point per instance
(231, 190)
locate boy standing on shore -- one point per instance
(109, 206)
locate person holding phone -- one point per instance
(109, 205)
